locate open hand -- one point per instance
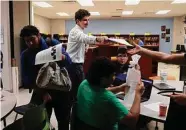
(135, 50)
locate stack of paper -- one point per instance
(121, 41)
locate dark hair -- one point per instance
(81, 13)
(29, 30)
(101, 67)
(122, 50)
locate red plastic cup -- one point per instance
(162, 109)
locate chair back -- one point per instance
(36, 119)
(77, 124)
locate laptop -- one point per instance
(163, 86)
(148, 83)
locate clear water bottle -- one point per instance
(184, 87)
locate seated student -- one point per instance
(121, 66)
(99, 107)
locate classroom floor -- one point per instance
(23, 98)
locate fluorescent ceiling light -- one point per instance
(162, 11)
(85, 2)
(132, 2)
(42, 4)
(62, 14)
(178, 2)
(94, 13)
(127, 12)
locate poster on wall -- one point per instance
(163, 35)
(167, 39)
(163, 28)
(167, 31)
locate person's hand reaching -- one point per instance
(102, 39)
(136, 48)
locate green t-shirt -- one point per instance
(99, 107)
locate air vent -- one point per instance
(149, 13)
(116, 16)
(119, 9)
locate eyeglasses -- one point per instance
(122, 55)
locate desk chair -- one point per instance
(35, 99)
(34, 119)
(77, 124)
(176, 114)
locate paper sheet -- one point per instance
(153, 106)
(121, 41)
(136, 58)
(49, 55)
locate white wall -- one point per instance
(178, 31)
(5, 47)
(57, 26)
(42, 23)
(20, 19)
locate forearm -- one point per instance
(135, 109)
(153, 54)
(163, 57)
(117, 89)
(84, 38)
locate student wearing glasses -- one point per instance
(121, 66)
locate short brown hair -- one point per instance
(81, 13)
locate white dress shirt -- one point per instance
(76, 44)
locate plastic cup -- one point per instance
(162, 109)
(163, 76)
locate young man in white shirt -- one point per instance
(76, 48)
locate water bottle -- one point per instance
(184, 87)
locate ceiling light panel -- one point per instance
(162, 12)
(178, 2)
(62, 14)
(127, 12)
(42, 4)
(132, 2)
(85, 2)
(94, 13)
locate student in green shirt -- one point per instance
(99, 107)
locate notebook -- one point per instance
(163, 86)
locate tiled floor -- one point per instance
(23, 98)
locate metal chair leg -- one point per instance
(156, 127)
(16, 117)
(4, 122)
